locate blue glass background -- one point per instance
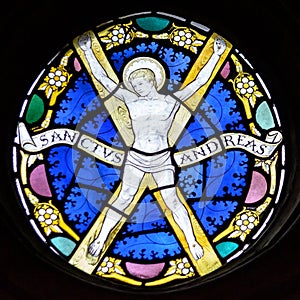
(213, 188)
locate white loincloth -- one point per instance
(150, 163)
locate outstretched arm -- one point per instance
(205, 73)
(98, 71)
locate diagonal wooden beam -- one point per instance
(185, 111)
(209, 261)
(116, 108)
(81, 257)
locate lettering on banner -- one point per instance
(226, 141)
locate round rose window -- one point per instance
(149, 154)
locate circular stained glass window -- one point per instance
(149, 154)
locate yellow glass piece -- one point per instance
(236, 229)
(179, 269)
(49, 216)
(116, 108)
(54, 84)
(120, 34)
(183, 115)
(23, 167)
(86, 262)
(81, 258)
(183, 37)
(209, 261)
(110, 265)
(194, 101)
(110, 268)
(247, 91)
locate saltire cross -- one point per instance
(209, 261)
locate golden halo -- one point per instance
(144, 63)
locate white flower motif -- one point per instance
(55, 82)
(246, 86)
(56, 78)
(47, 215)
(246, 222)
(185, 266)
(181, 266)
(118, 35)
(106, 266)
(183, 38)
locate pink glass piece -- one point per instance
(38, 181)
(258, 188)
(144, 271)
(77, 65)
(226, 70)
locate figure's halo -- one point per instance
(144, 63)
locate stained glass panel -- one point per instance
(149, 153)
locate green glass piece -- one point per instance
(264, 116)
(64, 245)
(152, 23)
(35, 109)
(225, 248)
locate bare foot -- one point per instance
(196, 250)
(95, 247)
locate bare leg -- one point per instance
(179, 212)
(131, 181)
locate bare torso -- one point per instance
(151, 121)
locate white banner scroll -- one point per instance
(226, 141)
(70, 137)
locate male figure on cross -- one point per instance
(151, 114)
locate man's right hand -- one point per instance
(85, 42)
(219, 46)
